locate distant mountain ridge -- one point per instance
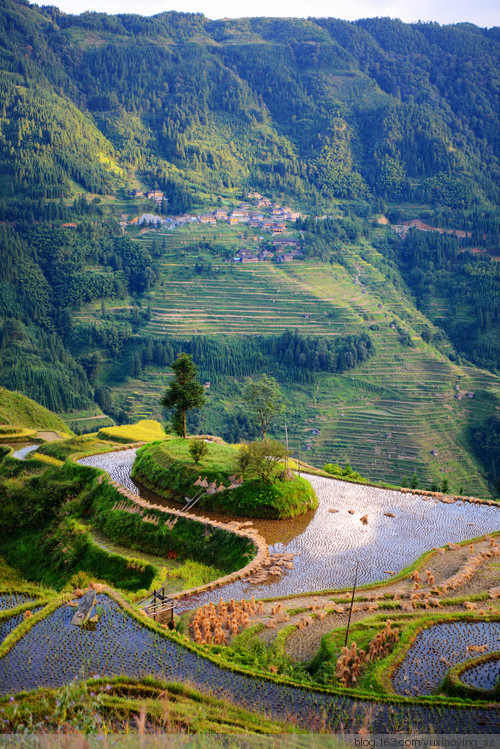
(344, 109)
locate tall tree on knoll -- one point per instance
(184, 393)
(264, 396)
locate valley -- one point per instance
(391, 416)
(249, 377)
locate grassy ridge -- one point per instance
(42, 535)
(168, 468)
(187, 538)
(19, 411)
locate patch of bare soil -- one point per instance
(48, 436)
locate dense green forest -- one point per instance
(364, 109)
(347, 120)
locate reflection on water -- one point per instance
(21, 452)
(327, 545)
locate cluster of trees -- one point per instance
(485, 442)
(467, 285)
(299, 357)
(46, 272)
(264, 113)
(263, 457)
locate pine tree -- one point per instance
(185, 392)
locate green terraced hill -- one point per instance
(18, 411)
(394, 414)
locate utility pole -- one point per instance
(352, 603)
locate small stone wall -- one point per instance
(448, 498)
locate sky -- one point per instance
(481, 12)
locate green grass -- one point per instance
(220, 458)
(76, 446)
(42, 534)
(173, 575)
(19, 411)
(169, 469)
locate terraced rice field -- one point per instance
(483, 675)
(439, 648)
(53, 652)
(395, 414)
(24, 451)
(327, 546)
(8, 624)
(257, 298)
(12, 600)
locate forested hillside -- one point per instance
(365, 125)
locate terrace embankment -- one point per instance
(326, 546)
(51, 652)
(126, 517)
(168, 469)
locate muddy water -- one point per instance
(327, 546)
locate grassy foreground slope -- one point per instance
(18, 411)
(394, 414)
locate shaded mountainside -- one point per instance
(375, 107)
(352, 122)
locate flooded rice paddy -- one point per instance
(53, 652)
(11, 600)
(10, 623)
(439, 648)
(327, 545)
(23, 451)
(484, 675)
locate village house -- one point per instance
(290, 215)
(207, 219)
(151, 218)
(136, 193)
(265, 254)
(278, 228)
(240, 215)
(282, 243)
(286, 258)
(254, 196)
(220, 215)
(155, 195)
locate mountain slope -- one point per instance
(350, 124)
(19, 411)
